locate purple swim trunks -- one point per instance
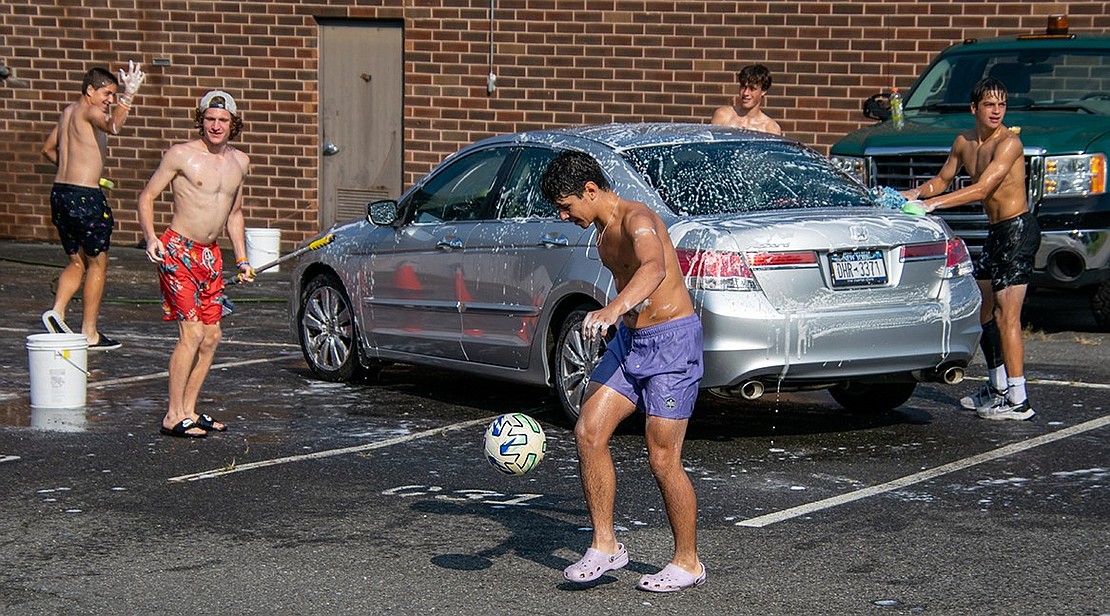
(658, 368)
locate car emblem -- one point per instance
(858, 233)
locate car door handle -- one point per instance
(554, 239)
(449, 243)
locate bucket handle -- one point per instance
(70, 362)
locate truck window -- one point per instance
(1079, 79)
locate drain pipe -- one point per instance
(491, 80)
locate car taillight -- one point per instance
(781, 259)
(957, 260)
(710, 270)
(932, 250)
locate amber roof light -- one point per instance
(1057, 29)
(1057, 24)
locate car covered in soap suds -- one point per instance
(801, 278)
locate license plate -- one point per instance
(857, 268)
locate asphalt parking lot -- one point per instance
(374, 498)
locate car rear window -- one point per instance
(744, 176)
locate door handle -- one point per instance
(449, 243)
(330, 149)
(554, 239)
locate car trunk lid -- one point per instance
(815, 262)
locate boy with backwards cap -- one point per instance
(206, 176)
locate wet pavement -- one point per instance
(374, 498)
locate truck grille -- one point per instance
(903, 171)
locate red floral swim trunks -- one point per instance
(191, 279)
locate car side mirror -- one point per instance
(382, 213)
(877, 107)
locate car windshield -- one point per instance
(726, 177)
(1076, 81)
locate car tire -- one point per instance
(573, 362)
(1100, 304)
(872, 397)
(327, 331)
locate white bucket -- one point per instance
(263, 246)
(59, 370)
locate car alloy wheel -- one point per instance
(575, 359)
(327, 330)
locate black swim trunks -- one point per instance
(82, 217)
(1007, 258)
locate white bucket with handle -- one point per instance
(263, 246)
(59, 370)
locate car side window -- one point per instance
(460, 191)
(521, 197)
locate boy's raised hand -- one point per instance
(131, 79)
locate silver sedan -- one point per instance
(802, 280)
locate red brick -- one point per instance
(558, 62)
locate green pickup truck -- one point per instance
(1059, 103)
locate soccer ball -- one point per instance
(515, 443)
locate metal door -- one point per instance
(361, 116)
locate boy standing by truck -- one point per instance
(747, 112)
(993, 157)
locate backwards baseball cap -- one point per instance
(218, 99)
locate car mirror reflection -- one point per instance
(382, 213)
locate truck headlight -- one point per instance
(1075, 176)
(852, 165)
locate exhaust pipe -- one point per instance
(751, 390)
(949, 375)
(954, 375)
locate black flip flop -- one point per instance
(181, 429)
(207, 422)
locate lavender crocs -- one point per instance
(594, 563)
(670, 579)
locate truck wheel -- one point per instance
(1100, 304)
(872, 397)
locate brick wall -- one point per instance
(558, 62)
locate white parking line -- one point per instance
(161, 375)
(1036, 381)
(1044, 439)
(226, 341)
(223, 342)
(238, 468)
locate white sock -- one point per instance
(997, 377)
(1016, 391)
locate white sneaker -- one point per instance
(1008, 410)
(986, 397)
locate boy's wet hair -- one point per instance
(97, 78)
(567, 175)
(754, 75)
(988, 85)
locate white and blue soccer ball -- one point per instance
(515, 443)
